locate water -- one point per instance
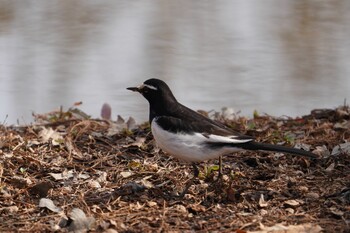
(275, 56)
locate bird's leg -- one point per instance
(195, 170)
(220, 167)
(190, 182)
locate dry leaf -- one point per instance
(65, 175)
(136, 206)
(181, 208)
(94, 184)
(139, 142)
(262, 202)
(102, 178)
(302, 146)
(342, 125)
(62, 176)
(78, 222)
(279, 228)
(330, 167)
(291, 203)
(197, 208)
(126, 174)
(48, 203)
(9, 210)
(341, 148)
(290, 210)
(131, 123)
(145, 182)
(336, 211)
(47, 134)
(152, 203)
(72, 148)
(322, 151)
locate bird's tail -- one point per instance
(252, 145)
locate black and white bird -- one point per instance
(190, 136)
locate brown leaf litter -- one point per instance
(67, 172)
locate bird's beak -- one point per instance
(138, 89)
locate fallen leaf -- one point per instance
(34, 142)
(83, 176)
(131, 123)
(290, 210)
(342, 125)
(336, 211)
(62, 176)
(181, 208)
(139, 142)
(48, 203)
(65, 175)
(330, 167)
(262, 202)
(322, 151)
(110, 230)
(197, 208)
(47, 134)
(303, 146)
(120, 120)
(9, 210)
(72, 148)
(341, 148)
(78, 222)
(279, 228)
(146, 183)
(291, 203)
(152, 203)
(126, 174)
(136, 206)
(94, 184)
(102, 178)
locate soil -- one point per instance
(67, 172)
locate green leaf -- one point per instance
(255, 114)
(250, 125)
(289, 137)
(23, 170)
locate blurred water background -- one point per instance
(282, 57)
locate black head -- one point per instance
(154, 90)
(158, 94)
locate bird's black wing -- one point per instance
(183, 119)
(177, 125)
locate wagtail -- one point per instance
(192, 137)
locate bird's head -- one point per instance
(155, 91)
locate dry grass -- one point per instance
(117, 176)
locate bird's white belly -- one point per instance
(187, 147)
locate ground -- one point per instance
(67, 172)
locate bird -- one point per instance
(192, 137)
